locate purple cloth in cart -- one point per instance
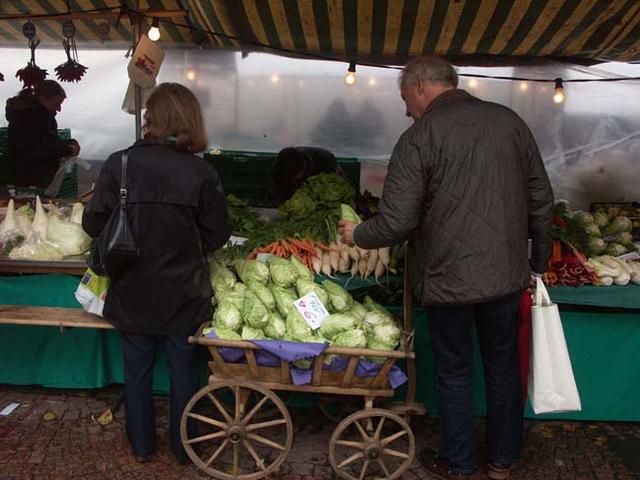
(272, 351)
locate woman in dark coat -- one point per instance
(178, 214)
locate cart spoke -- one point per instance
(235, 459)
(252, 452)
(254, 410)
(384, 468)
(392, 438)
(351, 459)
(363, 472)
(347, 443)
(237, 398)
(271, 423)
(363, 434)
(204, 438)
(217, 453)
(376, 436)
(395, 453)
(266, 441)
(210, 421)
(220, 407)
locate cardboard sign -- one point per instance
(145, 63)
(312, 310)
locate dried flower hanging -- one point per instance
(71, 70)
(31, 75)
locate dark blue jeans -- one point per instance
(451, 331)
(139, 357)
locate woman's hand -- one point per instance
(345, 229)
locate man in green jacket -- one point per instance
(467, 188)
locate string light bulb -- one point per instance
(558, 95)
(350, 76)
(154, 31)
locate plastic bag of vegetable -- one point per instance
(276, 327)
(67, 235)
(77, 211)
(283, 273)
(37, 250)
(339, 298)
(250, 333)
(254, 312)
(252, 270)
(227, 316)
(301, 268)
(337, 323)
(284, 299)
(10, 234)
(305, 287)
(24, 218)
(264, 294)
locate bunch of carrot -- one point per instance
(305, 250)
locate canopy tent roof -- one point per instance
(377, 31)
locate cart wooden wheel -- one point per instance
(387, 451)
(236, 445)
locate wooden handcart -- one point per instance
(237, 427)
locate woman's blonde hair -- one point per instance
(173, 116)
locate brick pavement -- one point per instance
(73, 446)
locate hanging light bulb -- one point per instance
(154, 31)
(350, 76)
(524, 86)
(558, 95)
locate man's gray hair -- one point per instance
(430, 68)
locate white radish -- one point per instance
(316, 261)
(334, 256)
(344, 264)
(354, 254)
(371, 262)
(380, 269)
(343, 249)
(326, 264)
(354, 268)
(362, 266)
(385, 256)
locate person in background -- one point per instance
(295, 164)
(34, 148)
(178, 215)
(467, 187)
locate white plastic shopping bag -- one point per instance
(552, 387)
(92, 291)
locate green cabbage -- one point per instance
(355, 338)
(594, 246)
(282, 272)
(617, 225)
(227, 316)
(276, 327)
(305, 287)
(582, 218)
(613, 249)
(221, 276)
(254, 312)
(264, 294)
(301, 268)
(226, 334)
(252, 270)
(376, 318)
(338, 323)
(340, 300)
(348, 214)
(299, 204)
(386, 334)
(296, 325)
(250, 333)
(357, 310)
(284, 299)
(229, 296)
(370, 305)
(600, 219)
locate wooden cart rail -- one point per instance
(323, 381)
(51, 316)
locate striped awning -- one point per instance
(375, 31)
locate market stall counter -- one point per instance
(602, 329)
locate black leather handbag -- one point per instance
(115, 248)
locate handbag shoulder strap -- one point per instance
(123, 180)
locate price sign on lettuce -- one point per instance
(312, 310)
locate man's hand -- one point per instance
(345, 229)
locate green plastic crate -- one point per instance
(247, 175)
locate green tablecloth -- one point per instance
(603, 346)
(627, 297)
